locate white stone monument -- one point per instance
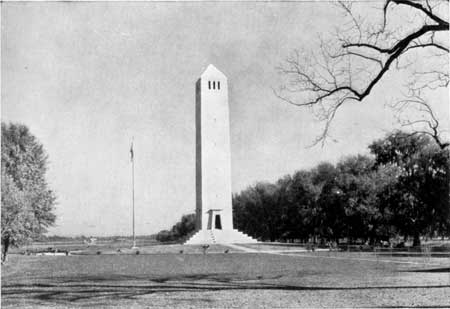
(214, 214)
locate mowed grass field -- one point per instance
(226, 280)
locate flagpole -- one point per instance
(132, 172)
(132, 190)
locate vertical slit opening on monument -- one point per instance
(209, 84)
(218, 85)
(214, 85)
(218, 223)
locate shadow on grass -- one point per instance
(432, 270)
(66, 291)
(446, 306)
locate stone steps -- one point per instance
(219, 237)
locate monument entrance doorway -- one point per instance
(218, 223)
(214, 219)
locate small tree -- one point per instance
(420, 199)
(27, 202)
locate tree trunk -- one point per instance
(416, 241)
(5, 247)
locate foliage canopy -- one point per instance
(27, 202)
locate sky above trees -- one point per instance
(86, 77)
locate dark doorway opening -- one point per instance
(218, 223)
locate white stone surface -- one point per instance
(215, 236)
(213, 162)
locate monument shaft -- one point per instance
(214, 212)
(213, 163)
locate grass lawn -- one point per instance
(231, 280)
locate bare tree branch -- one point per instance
(349, 71)
(430, 120)
(418, 6)
(429, 45)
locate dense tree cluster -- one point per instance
(27, 202)
(402, 189)
(180, 231)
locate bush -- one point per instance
(179, 231)
(164, 236)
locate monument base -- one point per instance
(216, 236)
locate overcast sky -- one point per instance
(86, 77)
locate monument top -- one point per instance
(212, 71)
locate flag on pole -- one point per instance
(131, 152)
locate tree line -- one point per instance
(401, 189)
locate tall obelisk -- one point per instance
(214, 213)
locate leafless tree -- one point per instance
(365, 48)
